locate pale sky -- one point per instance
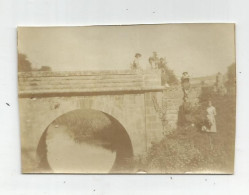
(200, 49)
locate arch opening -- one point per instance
(85, 141)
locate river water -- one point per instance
(66, 156)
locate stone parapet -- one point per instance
(49, 83)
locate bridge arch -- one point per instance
(95, 128)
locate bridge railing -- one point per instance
(67, 83)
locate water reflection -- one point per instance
(66, 155)
(85, 141)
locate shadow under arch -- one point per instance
(96, 128)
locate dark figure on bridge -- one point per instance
(154, 61)
(185, 84)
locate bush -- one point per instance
(231, 75)
(45, 68)
(23, 64)
(168, 76)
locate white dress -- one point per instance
(211, 112)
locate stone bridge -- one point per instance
(125, 95)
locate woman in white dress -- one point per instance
(211, 113)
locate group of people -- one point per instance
(154, 63)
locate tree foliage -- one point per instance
(45, 68)
(24, 65)
(167, 75)
(231, 75)
(170, 76)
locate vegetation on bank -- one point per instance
(187, 148)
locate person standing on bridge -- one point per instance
(135, 64)
(154, 61)
(185, 85)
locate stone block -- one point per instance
(172, 117)
(148, 125)
(173, 124)
(151, 118)
(173, 111)
(149, 102)
(139, 124)
(157, 126)
(147, 95)
(148, 111)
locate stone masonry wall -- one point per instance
(153, 123)
(173, 99)
(162, 112)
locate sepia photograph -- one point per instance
(127, 99)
